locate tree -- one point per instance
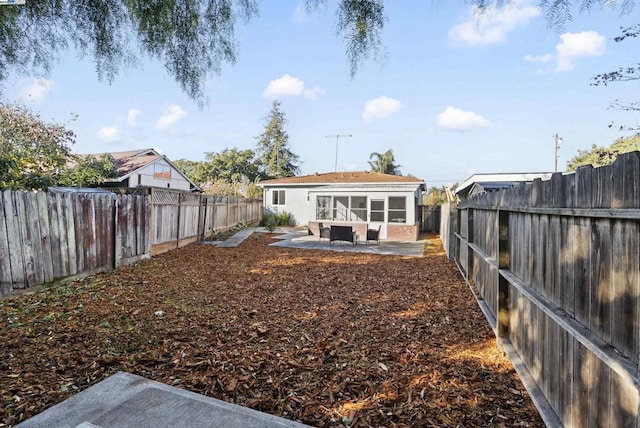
(600, 156)
(88, 171)
(200, 172)
(192, 38)
(384, 163)
(622, 74)
(274, 155)
(33, 153)
(435, 196)
(232, 165)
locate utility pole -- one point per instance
(558, 141)
(337, 136)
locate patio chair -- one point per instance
(374, 235)
(323, 232)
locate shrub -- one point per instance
(272, 220)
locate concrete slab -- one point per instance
(127, 400)
(299, 238)
(234, 240)
(302, 240)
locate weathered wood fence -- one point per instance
(430, 218)
(54, 235)
(46, 236)
(558, 266)
(182, 218)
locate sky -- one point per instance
(454, 94)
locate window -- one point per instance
(323, 208)
(278, 197)
(340, 208)
(163, 172)
(377, 211)
(358, 208)
(397, 209)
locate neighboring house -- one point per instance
(361, 199)
(146, 167)
(478, 184)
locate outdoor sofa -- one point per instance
(342, 233)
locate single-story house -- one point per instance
(478, 184)
(146, 167)
(361, 199)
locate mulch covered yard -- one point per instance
(325, 338)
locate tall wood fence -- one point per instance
(54, 235)
(430, 218)
(182, 218)
(557, 263)
(46, 236)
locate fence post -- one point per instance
(503, 284)
(470, 240)
(179, 218)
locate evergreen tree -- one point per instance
(384, 163)
(275, 157)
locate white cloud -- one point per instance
(572, 47)
(132, 115)
(35, 90)
(289, 86)
(109, 134)
(300, 15)
(313, 93)
(491, 25)
(455, 119)
(285, 86)
(171, 115)
(350, 166)
(576, 45)
(380, 108)
(539, 58)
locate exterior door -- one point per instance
(377, 211)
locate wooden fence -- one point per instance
(46, 236)
(430, 218)
(54, 235)
(180, 218)
(558, 265)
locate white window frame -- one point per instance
(391, 211)
(349, 214)
(276, 198)
(161, 171)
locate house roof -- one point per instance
(129, 161)
(350, 177)
(500, 180)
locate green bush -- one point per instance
(271, 220)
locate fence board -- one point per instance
(6, 279)
(14, 239)
(70, 228)
(601, 289)
(45, 234)
(32, 227)
(27, 240)
(582, 268)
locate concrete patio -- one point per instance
(291, 237)
(296, 238)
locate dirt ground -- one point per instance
(324, 338)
